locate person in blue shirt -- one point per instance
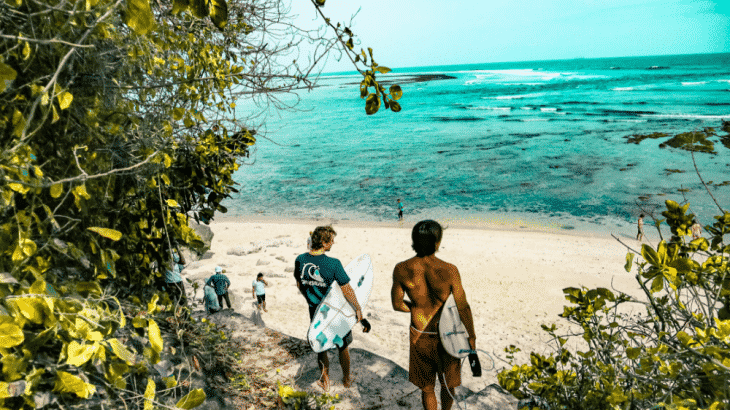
(259, 291)
(210, 299)
(220, 283)
(315, 272)
(400, 210)
(173, 280)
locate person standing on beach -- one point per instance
(210, 299)
(696, 229)
(173, 280)
(220, 283)
(400, 210)
(259, 291)
(315, 272)
(428, 281)
(640, 225)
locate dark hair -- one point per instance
(260, 275)
(321, 236)
(425, 235)
(641, 216)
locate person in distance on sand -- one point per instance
(428, 281)
(640, 225)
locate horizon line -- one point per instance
(529, 61)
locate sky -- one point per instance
(412, 33)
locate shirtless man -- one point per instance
(428, 281)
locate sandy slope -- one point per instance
(513, 280)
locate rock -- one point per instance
(204, 232)
(492, 397)
(281, 258)
(262, 262)
(241, 250)
(289, 269)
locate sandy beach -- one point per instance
(513, 278)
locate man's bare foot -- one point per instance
(324, 383)
(265, 310)
(347, 382)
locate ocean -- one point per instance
(535, 144)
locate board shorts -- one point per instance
(346, 340)
(429, 359)
(260, 299)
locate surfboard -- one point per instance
(334, 316)
(453, 333)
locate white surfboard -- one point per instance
(452, 332)
(335, 317)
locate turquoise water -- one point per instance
(539, 140)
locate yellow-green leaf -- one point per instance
(372, 104)
(154, 335)
(657, 284)
(139, 16)
(170, 382)
(55, 114)
(26, 50)
(107, 233)
(68, 383)
(191, 400)
(121, 351)
(177, 113)
(219, 13)
(149, 394)
(383, 70)
(12, 335)
(65, 99)
(86, 288)
(56, 190)
(31, 308)
(629, 260)
(78, 354)
(650, 255)
(7, 75)
(172, 203)
(18, 123)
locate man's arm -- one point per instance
(397, 293)
(298, 277)
(350, 296)
(463, 306)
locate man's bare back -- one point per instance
(428, 281)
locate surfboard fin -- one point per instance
(476, 367)
(322, 339)
(338, 341)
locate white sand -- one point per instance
(513, 279)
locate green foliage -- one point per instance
(675, 356)
(299, 400)
(118, 125)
